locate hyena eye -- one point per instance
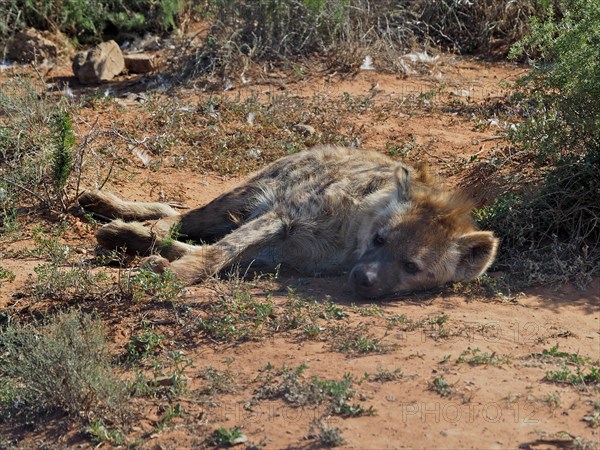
(411, 268)
(378, 240)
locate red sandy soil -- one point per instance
(491, 406)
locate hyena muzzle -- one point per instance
(325, 211)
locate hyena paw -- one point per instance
(155, 263)
(98, 202)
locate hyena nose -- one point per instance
(364, 278)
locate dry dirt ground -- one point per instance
(456, 368)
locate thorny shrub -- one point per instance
(62, 365)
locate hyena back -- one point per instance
(328, 210)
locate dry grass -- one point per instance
(61, 365)
(342, 33)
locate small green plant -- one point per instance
(552, 399)
(329, 310)
(384, 375)
(9, 223)
(144, 343)
(62, 154)
(177, 364)
(402, 322)
(571, 358)
(238, 318)
(304, 315)
(101, 434)
(70, 283)
(171, 411)
(436, 321)
(237, 315)
(325, 435)
(578, 378)
(168, 379)
(162, 287)
(298, 392)
(434, 326)
(218, 381)
(227, 436)
(475, 357)
(49, 246)
(440, 386)
(6, 276)
(593, 418)
(356, 341)
(372, 310)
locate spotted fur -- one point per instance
(328, 210)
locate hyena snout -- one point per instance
(366, 280)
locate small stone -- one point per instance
(254, 152)
(101, 63)
(239, 440)
(139, 63)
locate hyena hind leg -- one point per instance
(136, 239)
(112, 207)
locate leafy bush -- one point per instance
(267, 29)
(88, 21)
(563, 114)
(81, 20)
(61, 365)
(553, 233)
(144, 15)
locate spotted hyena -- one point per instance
(325, 211)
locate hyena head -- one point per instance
(422, 238)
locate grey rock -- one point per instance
(101, 63)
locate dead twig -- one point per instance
(23, 188)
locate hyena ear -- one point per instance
(402, 176)
(477, 252)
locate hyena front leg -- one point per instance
(241, 244)
(136, 238)
(208, 223)
(112, 207)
